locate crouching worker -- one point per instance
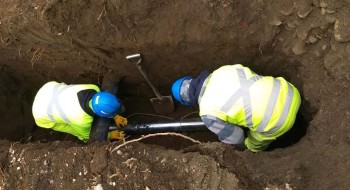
(72, 109)
(233, 97)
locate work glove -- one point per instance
(116, 135)
(120, 121)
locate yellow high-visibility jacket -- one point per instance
(56, 106)
(266, 105)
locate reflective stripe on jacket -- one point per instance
(235, 94)
(56, 106)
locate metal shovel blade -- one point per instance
(163, 105)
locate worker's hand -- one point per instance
(120, 121)
(116, 135)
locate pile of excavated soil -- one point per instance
(60, 165)
(305, 41)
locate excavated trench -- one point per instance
(307, 42)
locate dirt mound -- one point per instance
(306, 42)
(61, 165)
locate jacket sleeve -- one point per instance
(227, 132)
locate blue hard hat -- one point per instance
(105, 104)
(176, 89)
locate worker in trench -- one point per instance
(233, 99)
(82, 110)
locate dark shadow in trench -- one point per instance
(133, 105)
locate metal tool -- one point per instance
(191, 125)
(161, 104)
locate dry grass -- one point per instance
(36, 56)
(154, 135)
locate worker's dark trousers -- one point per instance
(100, 126)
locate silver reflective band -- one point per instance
(285, 112)
(237, 137)
(270, 106)
(227, 132)
(242, 92)
(184, 90)
(203, 89)
(55, 103)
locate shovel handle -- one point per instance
(143, 73)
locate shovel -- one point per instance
(161, 104)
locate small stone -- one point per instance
(302, 32)
(299, 47)
(323, 4)
(286, 7)
(98, 187)
(291, 24)
(304, 8)
(275, 21)
(342, 30)
(312, 39)
(330, 11)
(304, 13)
(347, 77)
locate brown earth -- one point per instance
(305, 41)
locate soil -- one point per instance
(305, 41)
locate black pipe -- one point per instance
(176, 126)
(99, 129)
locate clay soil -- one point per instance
(305, 41)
